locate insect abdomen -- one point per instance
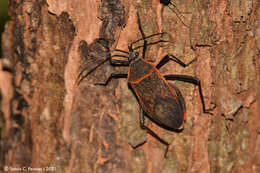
(159, 101)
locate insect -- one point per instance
(161, 102)
(170, 4)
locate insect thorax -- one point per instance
(138, 69)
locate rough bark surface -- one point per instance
(47, 121)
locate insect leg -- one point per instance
(114, 75)
(151, 132)
(117, 62)
(119, 50)
(119, 56)
(168, 57)
(192, 80)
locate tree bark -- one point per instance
(54, 123)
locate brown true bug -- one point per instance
(161, 102)
(170, 4)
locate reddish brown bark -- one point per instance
(53, 122)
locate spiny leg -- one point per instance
(195, 81)
(151, 132)
(114, 75)
(168, 57)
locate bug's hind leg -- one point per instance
(192, 80)
(143, 126)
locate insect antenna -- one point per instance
(143, 35)
(144, 38)
(139, 26)
(150, 36)
(177, 12)
(153, 43)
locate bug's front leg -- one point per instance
(115, 62)
(114, 75)
(169, 57)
